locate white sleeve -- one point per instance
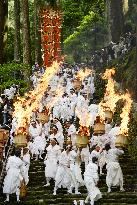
(119, 151)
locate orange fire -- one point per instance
(84, 120)
(24, 106)
(82, 74)
(59, 92)
(125, 114)
(111, 97)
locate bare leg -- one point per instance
(87, 199)
(109, 189)
(121, 185)
(48, 181)
(91, 201)
(36, 157)
(70, 189)
(7, 197)
(55, 190)
(18, 194)
(41, 152)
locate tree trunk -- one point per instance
(136, 57)
(108, 18)
(17, 31)
(117, 19)
(37, 34)
(3, 29)
(26, 33)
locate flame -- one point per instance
(125, 114)
(59, 92)
(84, 120)
(111, 98)
(82, 74)
(24, 106)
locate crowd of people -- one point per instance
(55, 141)
(6, 105)
(113, 51)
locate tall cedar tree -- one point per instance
(116, 19)
(37, 33)
(17, 31)
(26, 32)
(3, 29)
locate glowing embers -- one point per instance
(82, 138)
(51, 35)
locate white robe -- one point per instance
(114, 173)
(94, 153)
(59, 137)
(65, 109)
(39, 144)
(34, 132)
(85, 155)
(112, 134)
(93, 110)
(64, 176)
(72, 133)
(91, 179)
(14, 175)
(26, 164)
(46, 129)
(52, 157)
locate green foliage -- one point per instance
(13, 73)
(118, 111)
(100, 86)
(88, 19)
(89, 32)
(126, 71)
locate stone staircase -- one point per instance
(38, 194)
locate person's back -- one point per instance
(113, 154)
(91, 170)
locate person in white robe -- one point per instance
(58, 135)
(34, 79)
(58, 125)
(72, 132)
(81, 109)
(91, 179)
(114, 173)
(57, 109)
(99, 154)
(26, 164)
(65, 177)
(73, 101)
(51, 160)
(46, 129)
(34, 131)
(113, 134)
(69, 86)
(65, 108)
(39, 145)
(10, 92)
(93, 111)
(103, 140)
(108, 127)
(85, 155)
(14, 176)
(75, 162)
(94, 153)
(94, 140)
(54, 82)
